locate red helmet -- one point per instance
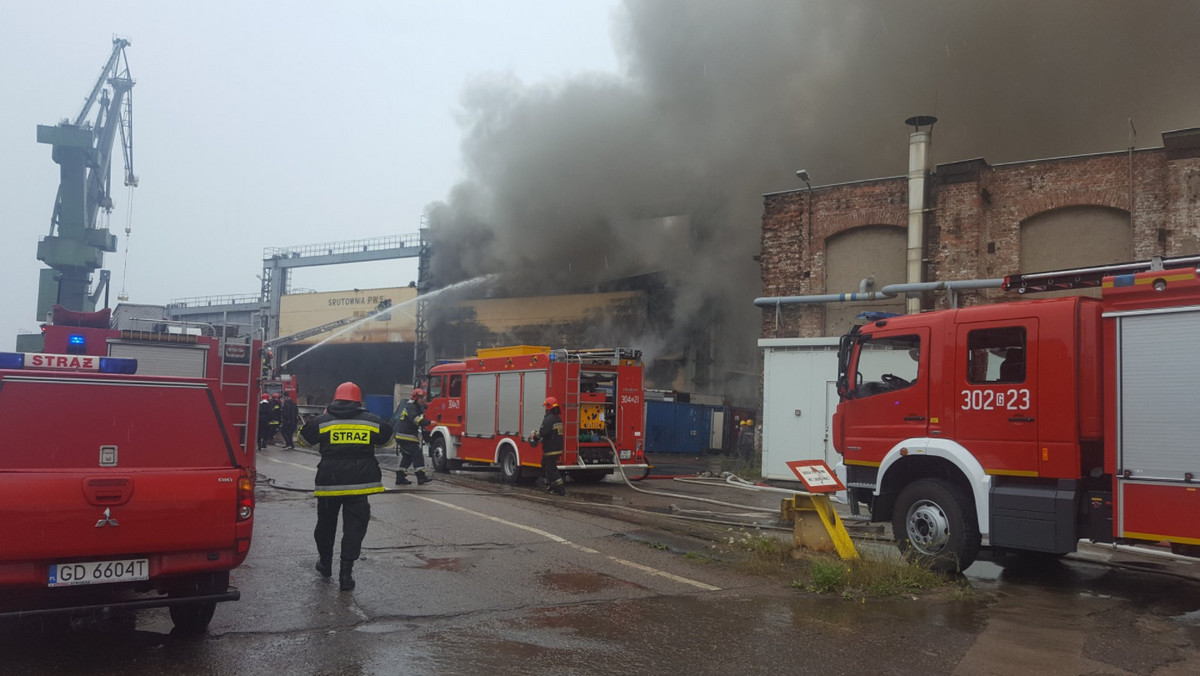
(417, 393)
(550, 403)
(266, 396)
(348, 391)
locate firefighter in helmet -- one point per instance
(264, 420)
(410, 424)
(549, 435)
(276, 419)
(346, 435)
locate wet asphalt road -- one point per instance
(466, 576)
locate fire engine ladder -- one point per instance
(242, 384)
(1082, 278)
(571, 408)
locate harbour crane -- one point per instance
(82, 147)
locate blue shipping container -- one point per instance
(380, 405)
(677, 427)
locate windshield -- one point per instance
(884, 365)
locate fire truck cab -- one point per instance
(1027, 426)
(485, 409)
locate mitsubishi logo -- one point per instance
(107, 520)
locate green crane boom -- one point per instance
(75, 247)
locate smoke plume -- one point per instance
(661, 168)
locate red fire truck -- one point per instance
(1028, 426)
(125, 473)
(485, 409)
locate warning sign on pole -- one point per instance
(816, 476)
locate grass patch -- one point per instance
(869, 578)
(760, 552)
(746, 469)
(770, 553)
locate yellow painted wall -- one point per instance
(503, 314)
(305, 310)
(301, 311)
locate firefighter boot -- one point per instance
(421, 478)
(402, 478)
(325, 565)
(346, 576)
(557, 488)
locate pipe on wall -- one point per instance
(888, 292)
(918, 175)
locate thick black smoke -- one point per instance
(572, 183)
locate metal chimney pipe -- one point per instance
(919, 165)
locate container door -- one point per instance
(832, 458)
(716, 432)
(996, 382)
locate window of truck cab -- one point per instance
(887, 364)
(454, 387)
(435, 388)
(996, 355)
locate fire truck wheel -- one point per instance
(510, 467)
(437, 455)
(934, 524)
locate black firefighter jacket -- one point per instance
(347, 434)
(550, 434)
(410, 421)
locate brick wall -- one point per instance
(973, 229)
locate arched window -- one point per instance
(1075, 237)
(877, 251)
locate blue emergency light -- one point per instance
(76, 344)
(12, 360)
(118, 365)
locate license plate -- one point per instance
(98, 572)
(626, 454)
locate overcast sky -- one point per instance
(263, 124)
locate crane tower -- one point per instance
(82, 147)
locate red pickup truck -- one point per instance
(121, 489)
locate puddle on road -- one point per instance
(453, 565)
(598, 498)
(579, 581)
(1192, 618)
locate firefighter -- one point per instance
(289, 421)
(264, 420)
(410, 424)
(549, 435)
(346, 435)
(745, 441)
(276, 418)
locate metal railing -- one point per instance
(206, 301)
(345, 247)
